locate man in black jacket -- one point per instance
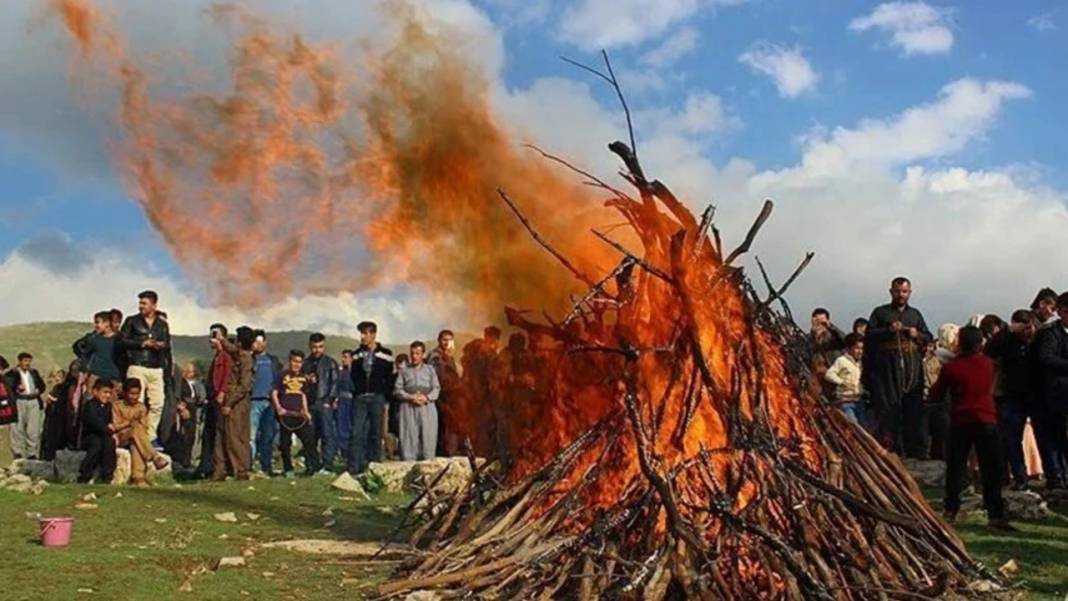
(25, 385)
(372, 380)
(1053, 362)
(322, 372)
(893, 371)
(1015, 397)
(147, 341)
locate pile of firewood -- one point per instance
(708, 467)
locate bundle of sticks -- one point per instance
(699, 461)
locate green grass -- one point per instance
(1040, 549)
(120, 551)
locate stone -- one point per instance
(187, 587)
(230, 562)
(38, 487)
(252, 516)
(66, 465)
(34, 468)
(927, 473)
(393, 474)
(422, 596)
(17, 479)
(349, 484)
(20, 486)
(339, 547)
(228, 516)
(455, 479)
(1009, 568)
(1023, 504)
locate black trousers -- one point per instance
(99, 453)
(180, 443)
(207, 439)
(914, 432)
(987, 444)
(306, 434)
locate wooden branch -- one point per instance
(545, 244)
(765, 212)
(778, 294)
(610, 77)
(625, 264)
(594, 180)
(637, 260)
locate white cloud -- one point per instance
(953, 230)
(1043, 22)
(702, 113)
(676, 46)
(107, 278)
(914, 27)
(596, 24)
(787, 67)
(965, 110)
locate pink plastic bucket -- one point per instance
(55, 532)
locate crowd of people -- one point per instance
(987, 389)
(124, 390)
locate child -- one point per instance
(101, 350)
(290, 401)
(969, 381)
(130, 423)
(98, 435)
(844, 373)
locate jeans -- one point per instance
(984, 438)
(325, 419)
(1012, 417)
(263, 429)
(1055, 432)
(852, 411)
(366, 443)
(344, 427)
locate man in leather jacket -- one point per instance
(322, 370)
(146, 338)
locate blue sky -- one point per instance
(771, 85)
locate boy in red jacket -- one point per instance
(969, 381)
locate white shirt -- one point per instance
(29, 387)
(844, 373)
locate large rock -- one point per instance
(454, 480)
(408, 476)
(927, 473)
(393, 474)
(67, 463)
(1025, 505)
(345, 482)
(34, 468)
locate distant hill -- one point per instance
(50, 342)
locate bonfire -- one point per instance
(688, 454)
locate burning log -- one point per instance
(681, 451)
(709, 469)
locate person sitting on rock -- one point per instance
(98, 435)
(130, 423)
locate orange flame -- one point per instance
(317, 172)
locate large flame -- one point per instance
(317, 171)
